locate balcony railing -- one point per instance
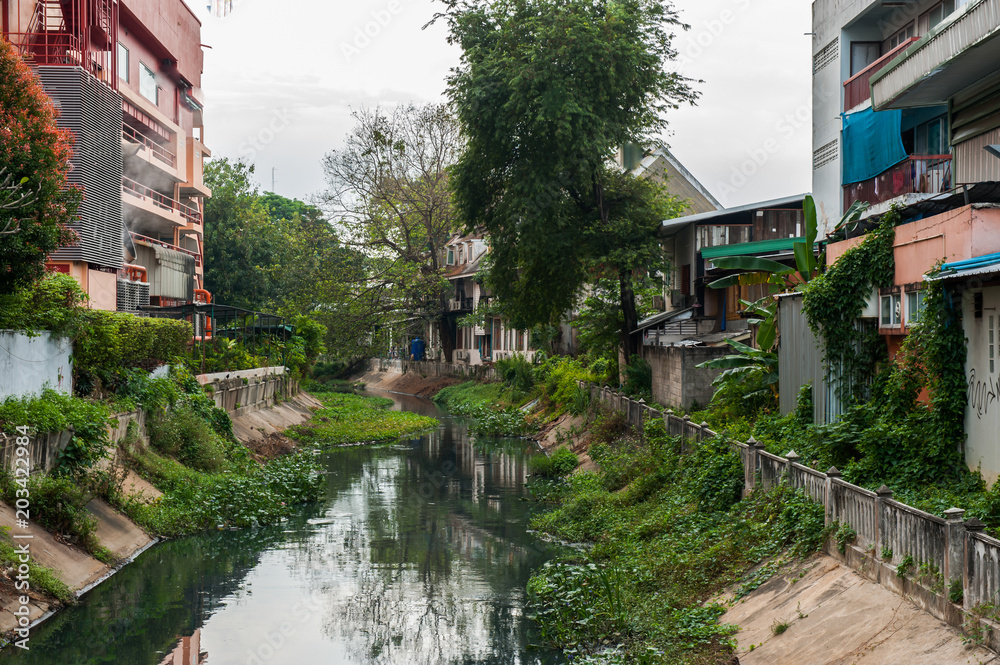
(716, 236)
(858, 89)
(132, 135)
(159, 243)
(189, 214)
(460, 305)
(919, 174)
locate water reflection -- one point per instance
(418, 555)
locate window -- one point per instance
(461, 254)
(914, 305)
(123, 62)
(864, 54)
(935, 15)
(900, 37)
(992, 345)
(451, 256)
(890, 311)
(147, 84)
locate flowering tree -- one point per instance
(36, 206)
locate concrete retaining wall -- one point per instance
(677, 379)
(435, 369)
(29, 364)
(887, 532)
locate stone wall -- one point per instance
(435, 369)
(677, 379)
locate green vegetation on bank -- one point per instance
(347, 418)
(668, 530)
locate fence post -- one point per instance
(791, 457)
(752, 463)
(831, 473)
(882, 495)
(970, 599)
(701, 432)
(955, 560)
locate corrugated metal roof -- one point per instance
(775, 203)
(749, 248)
(980, 265)
(956, 53)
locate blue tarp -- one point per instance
(873, 142)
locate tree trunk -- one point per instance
(630, 319)
(447, 339)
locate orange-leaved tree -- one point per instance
(36, 205)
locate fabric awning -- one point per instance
(751, 248)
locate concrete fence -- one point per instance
(435, 369)
(239, 394)
(887, 531)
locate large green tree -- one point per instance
(388, 191)
(36, 206)
(547, 92)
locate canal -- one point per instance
(419, 553)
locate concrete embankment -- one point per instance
(822, 612)
(260, 430)
(409, 383)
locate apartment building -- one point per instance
(126, 76)
(881, 154)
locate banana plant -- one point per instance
(749, 366)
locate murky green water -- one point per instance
(419, 554)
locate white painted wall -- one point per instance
(29, 364)
(982, 413)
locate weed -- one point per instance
(844, 535)
(956, 591)
(886, 553)
(905, 566)
(779, 627)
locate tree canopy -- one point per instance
(547, 92)
(36, 206)
(388, 190)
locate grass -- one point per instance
(347, 418)
(39, 577)
(668, 529)
(494, 406)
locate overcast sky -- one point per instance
(281, 79)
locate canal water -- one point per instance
(418, 554)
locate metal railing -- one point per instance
(132, 135)
(189, 214)
(918, 174)
(858, 89)
(159, 243)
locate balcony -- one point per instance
(156, 150)
(857, 89)
(959, 52)
(460, 305)
(154, 214)
(153, 242)
(718, 236)
(918, 175)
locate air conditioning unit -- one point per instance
(676, 299)
(871, 310)
(658, 304)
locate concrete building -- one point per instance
(126, 76)
(474, 345)
(899, 150)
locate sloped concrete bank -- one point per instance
(260, 430)
(821, 611)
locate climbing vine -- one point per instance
(835, 299)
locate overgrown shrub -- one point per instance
(516, 372)
(638, 378)
(54, 411)
(560, 463)
(186, 436)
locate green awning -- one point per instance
(748, 248)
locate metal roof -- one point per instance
(979, 265)
(662, 317)
(748, 248)
(706, 216)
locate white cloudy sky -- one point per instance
(285, 76)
